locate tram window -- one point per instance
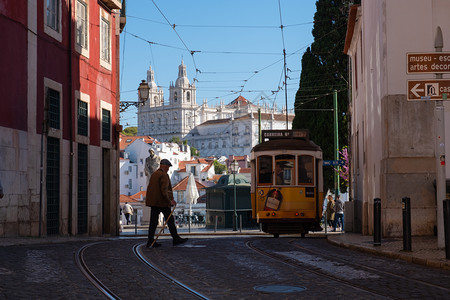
(265, 170)
(284, 170)
(305, 169)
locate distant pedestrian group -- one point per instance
(335, 213)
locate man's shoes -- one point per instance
(155, 244)
(179, 241)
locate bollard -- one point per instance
(135, 223)
(406, 211)
(447, 227)
(240, 223)
(377, 222)
(215, 226)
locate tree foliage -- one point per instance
(130, 131)
(325, 69)
(219, 168)
(194, 151)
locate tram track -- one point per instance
(79, 259)
(368, 268)
(142, 258)
(291, 263)
(382, 281)
(183, 291)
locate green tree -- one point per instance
(130, 131)
(175, 139)
(219, 168)
(325, 69)
(194, 151)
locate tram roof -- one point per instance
(287, 144)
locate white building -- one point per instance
(214, 130)
(136, 150)
(393, 139)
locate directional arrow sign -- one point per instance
(431, 89)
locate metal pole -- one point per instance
(215, 226)
(336, 143)
(377, 222)
(259, 125)
(234, 184)
(440, 150)
(406, 212)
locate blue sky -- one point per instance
(237, 44)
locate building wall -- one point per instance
(393, 139)
(34, 60)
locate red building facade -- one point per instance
(59, 117)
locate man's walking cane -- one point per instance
(164, 225)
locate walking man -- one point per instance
(160, 198)
(128, 211)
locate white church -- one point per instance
(230, 129)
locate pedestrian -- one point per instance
(330, 211)
(128, 211)
(339, 213)
(159, 197)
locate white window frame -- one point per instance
(55, 33)
(48, 83)
(83, 50)
(105, 17)
(85, 98)
(107, 106)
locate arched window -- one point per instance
(188, 97)
(175, 97)
(155, 100)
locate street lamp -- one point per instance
(143, 91)
(234, 168)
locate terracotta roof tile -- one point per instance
(181, 186)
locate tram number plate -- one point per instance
(309, 192)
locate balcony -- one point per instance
(112, 4)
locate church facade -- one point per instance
(230, 129)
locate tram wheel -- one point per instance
(276, 235)
(302, 234)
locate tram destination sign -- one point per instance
(428, 89)
(431, 63)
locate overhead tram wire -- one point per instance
(187, 48)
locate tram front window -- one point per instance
(265, 170)
(305, 169)
(284, 170)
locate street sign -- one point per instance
(432, 63)
(334, 162)
(428, 89)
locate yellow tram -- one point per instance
(287, 183)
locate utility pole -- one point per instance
(336, 142)
(439, 113)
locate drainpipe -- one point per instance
(71, 100)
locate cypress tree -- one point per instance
(325, 69)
